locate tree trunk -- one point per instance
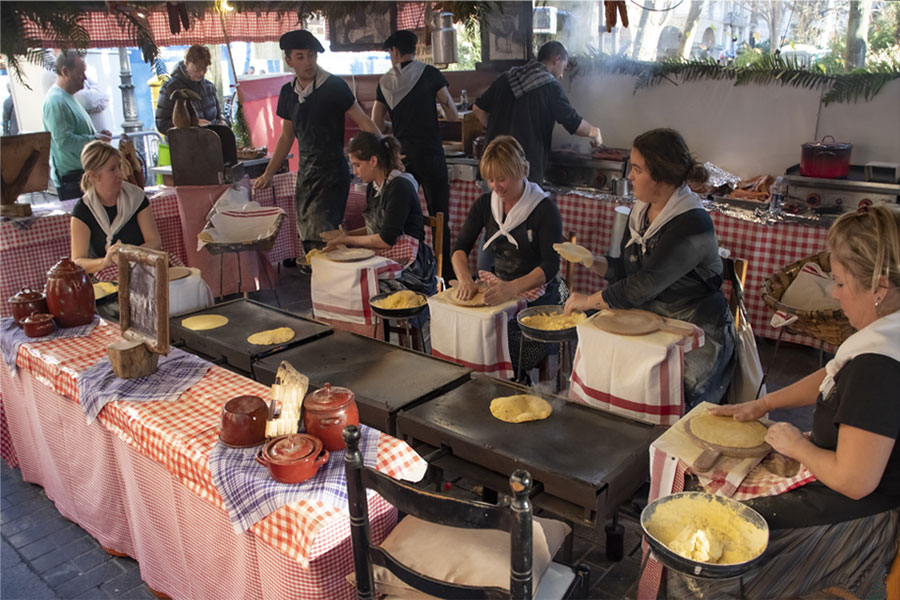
(639, 34)
(774, 26)
(857, 34)
(687, 33)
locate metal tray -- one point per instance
(384, 377)
(245, 317)
(582, 455)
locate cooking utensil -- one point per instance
(692, 567)
(349, 254)
(395, 313)
(244, 422)
(293, 458)
(27, 301)
(628, 322)
(327, 411)
(70, 295)
(38, 324)
(712, 451)
(827, 160)
(176, 273)
(545, 335)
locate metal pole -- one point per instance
(129, 105)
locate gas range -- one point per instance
(840, 195)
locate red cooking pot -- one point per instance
(327, 411)
(26, 302)
(244, 422)
(293, 458)
(828, 160)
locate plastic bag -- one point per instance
(749, 372)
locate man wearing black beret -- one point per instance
(312, 108)
(408, 93)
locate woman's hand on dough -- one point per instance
(499, 292)
(466, 289)
(748, 411)
(784, 438)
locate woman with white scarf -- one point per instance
(112, 212)
(843, 529)
(670, 264)
(520, 223)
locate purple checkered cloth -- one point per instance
(250, 493)
(175, 373)
(13, 336)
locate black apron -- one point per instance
(323, 173)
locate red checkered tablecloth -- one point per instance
(179, 435)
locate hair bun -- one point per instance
(697, 173)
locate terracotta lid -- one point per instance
(37, 317)
(27, 295)
(65, 266)
(292, 448)
(328, 398)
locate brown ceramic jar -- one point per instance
(26, 302)
(327, 411)
(244, 422)
(70, 295)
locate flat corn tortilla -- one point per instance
(575, 253)
(725, 431)
(104, 288)
(272, 336)
(204, 322)
(520, 408)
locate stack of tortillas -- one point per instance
(520, 408)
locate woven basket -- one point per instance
(829, 325)
(262, 245)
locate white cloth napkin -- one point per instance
(810, 290)
(881, 337)
(531, 197)
(130, 198)
(341, 290)
(399, 81)
(304, 92)
(681, 201)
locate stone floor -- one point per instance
(45, 556)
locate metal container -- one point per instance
(828, 160)
(443, 39)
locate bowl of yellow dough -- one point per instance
(705, 535)
(548, 323)
(398, 305)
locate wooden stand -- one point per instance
(26, 168)
(130, 359)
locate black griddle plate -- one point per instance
(584, 456)
(245, 317)
(384, 377)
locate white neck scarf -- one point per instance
(130, 199)
(681, 201)
(304, 92)
(399, 81)
(531, 197)
(880, 337)
(379, 189)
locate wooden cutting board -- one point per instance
(628, 322)
(712, 451)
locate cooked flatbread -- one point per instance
(272, 336)
(520, 408)
(104, 288)
(575, 253)
(204, 322)
(725, 431)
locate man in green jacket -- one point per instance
(69, 125)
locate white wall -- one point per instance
(748, 130)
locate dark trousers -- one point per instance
(430, 170)
(69, 185)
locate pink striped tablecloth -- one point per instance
(138, 479)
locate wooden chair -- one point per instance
(437, 244)
(512, 515)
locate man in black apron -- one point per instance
(312, 108)
(408, 93)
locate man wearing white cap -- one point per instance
(312, 108)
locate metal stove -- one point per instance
(841, 195)
(570, 170)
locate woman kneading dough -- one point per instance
(111, 213)
(842, 529)
(520, 223)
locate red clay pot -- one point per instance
(327, 411)
(293, 458)
(26, 302)
(70, 295)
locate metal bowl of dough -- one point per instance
(545, 335)
(396, 313)
(695, 568)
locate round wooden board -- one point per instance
(735, 451)
(474, 302)
(628, 322)
(349, 254)
(176, 273)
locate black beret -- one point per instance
(300, 39)
(401, 39)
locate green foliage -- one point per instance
(240, 128)
(883, 30)
(469, 50)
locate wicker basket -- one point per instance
(829, 325)
(262, 245)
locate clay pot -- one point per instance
(70, 295)
(293, 458)
(38, 324)
(244, 422)
(26, 302)
(327, 411)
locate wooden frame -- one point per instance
(506, 37)
(366, 28)
(144, 297)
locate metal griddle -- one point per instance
(384, 377)
(245, 317)
(586, 460)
